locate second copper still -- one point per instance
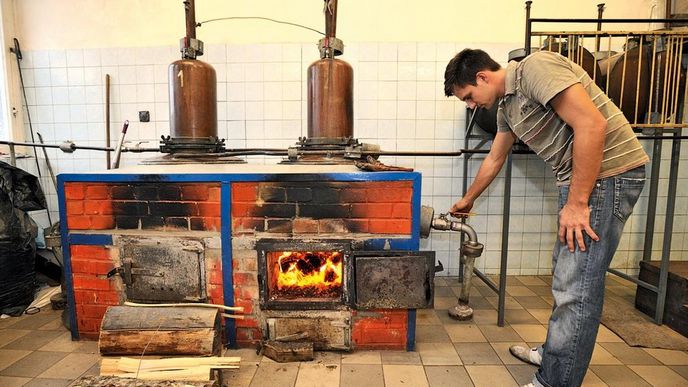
(330, 88)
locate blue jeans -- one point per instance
(578, 281)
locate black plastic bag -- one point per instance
(19, 192)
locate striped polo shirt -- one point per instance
(530, 85)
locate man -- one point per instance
(553, 106)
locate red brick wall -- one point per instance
(163, 206)
(387, 330)
(298, 208)
(322, 207)
(244, 269)
(93, 293)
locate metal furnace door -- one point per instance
(394, 279)
(163, 269)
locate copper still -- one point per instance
(193, 96)
(330, 88)
(620, 79)
(575, 52)
(193, 100)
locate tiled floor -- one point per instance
(37, 351)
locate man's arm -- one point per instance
(489, 168)
(575, 107)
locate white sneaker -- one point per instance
(528, 385)
(525, 354)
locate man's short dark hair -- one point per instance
(462, 69)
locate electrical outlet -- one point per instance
(144, 116)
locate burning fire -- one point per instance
(312, 272)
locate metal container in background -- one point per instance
(193, 100)
(330, 100)
(620, 80)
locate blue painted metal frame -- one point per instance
(67, 260)
(225, 179)
(227, 269)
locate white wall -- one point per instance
(399, 101)
(60, 24)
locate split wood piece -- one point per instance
(188, 304)
(115, 381)
(177, 369)
(160, 331)
(283, 352)
(109, 367)
(129, 364)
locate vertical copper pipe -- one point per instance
(190, 10)
(107, 119)
(330, 18)
(600, 12)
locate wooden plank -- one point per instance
(176, 369)
(132, 365)
(160, 331)
(282, 352)
(202, 342)
(153, 318)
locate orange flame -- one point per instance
(318, 270)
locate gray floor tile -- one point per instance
(398, 375)
(362, 357)
(681, 370)
(630, 355)
(532, 302)
(541, 290)
(509, 302)
(400, 357)
(522, 373)
(447, 376)
(444, 291)
(275, 374)
(12, 381)
(485, 317)
(477, 353)
(427, 317)
(618, 375)
(659, 375)
(431, 334)
(7, 322)
(438, 354)
(34, 341)
(464, 333)
(496, 334)
(318, 375)
(240, 377)
(35, 322)
(513, 316)
(40, 382)
(10, 356)
(490, 376)
(481, 303)
(71, 366)
(33, 364)
(531, 281)
(357, 375)
(9, 336)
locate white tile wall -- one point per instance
(399, 104)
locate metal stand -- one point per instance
(501, 288)
(676, 137)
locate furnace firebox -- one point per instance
(325, 249)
